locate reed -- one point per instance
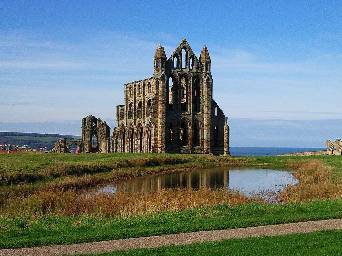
(315, 182)
(71, 203)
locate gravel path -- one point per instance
(177, 239)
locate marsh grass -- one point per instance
(315, 181)
(44, 184)
(71, 203)
(75, 183)
(58, 191)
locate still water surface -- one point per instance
(262, 182)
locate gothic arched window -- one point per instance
(139, 89)
(183, 134)
(175, 62)
(191, 62)
(183, 89)
(130, 110)
(149, 87)
(196, 134)
(184, 58)
(139, 110)
(170, 83)
(149, 107)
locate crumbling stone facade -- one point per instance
(334, 147)
(61, 146)
(174, 110)
(95, 135)
(67, 145)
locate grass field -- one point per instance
(39, 203)
(19, 232)
(317, 243)
(33, 167)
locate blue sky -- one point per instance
(62, 60)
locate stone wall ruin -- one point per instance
(95, 135)
(174, 110)
(334, 147)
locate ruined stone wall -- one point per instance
(191, 118)
(95, 135)
(136, 123)
(61, 146)
(218, 123)
(334, 147)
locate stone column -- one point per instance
(206, 103)
(226, 138)
(161, 114)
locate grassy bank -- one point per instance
(316, 243)
(35, 167)
(32, 231)
(40, 201)
(36, 180)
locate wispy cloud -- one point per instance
(65, 80)
(41, 65)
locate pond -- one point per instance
(266, 183)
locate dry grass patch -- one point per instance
(121, 204)
(315, 182)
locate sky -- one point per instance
(271, 60)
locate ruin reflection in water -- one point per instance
(247, 181)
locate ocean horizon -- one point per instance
(268, 151)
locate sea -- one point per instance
(265, 151)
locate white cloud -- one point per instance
(64, 80)
(41, 65)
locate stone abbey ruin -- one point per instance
(334, 147)
(172, 111)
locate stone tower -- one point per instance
(206, 99)
(160, 83)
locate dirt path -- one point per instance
(177, 239)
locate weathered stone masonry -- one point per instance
(334, 147)
(95, 135)
(172, 111)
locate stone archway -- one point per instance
(184, 133)
(196, 133)
(95, 135)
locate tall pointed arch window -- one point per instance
(184, 58)
(175, 62)
(139, 110)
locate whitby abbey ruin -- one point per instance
(172, 111)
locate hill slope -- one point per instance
(33, 140)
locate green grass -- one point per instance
(33, 167)
(316, 243)
(20, 232)
(35, 171)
